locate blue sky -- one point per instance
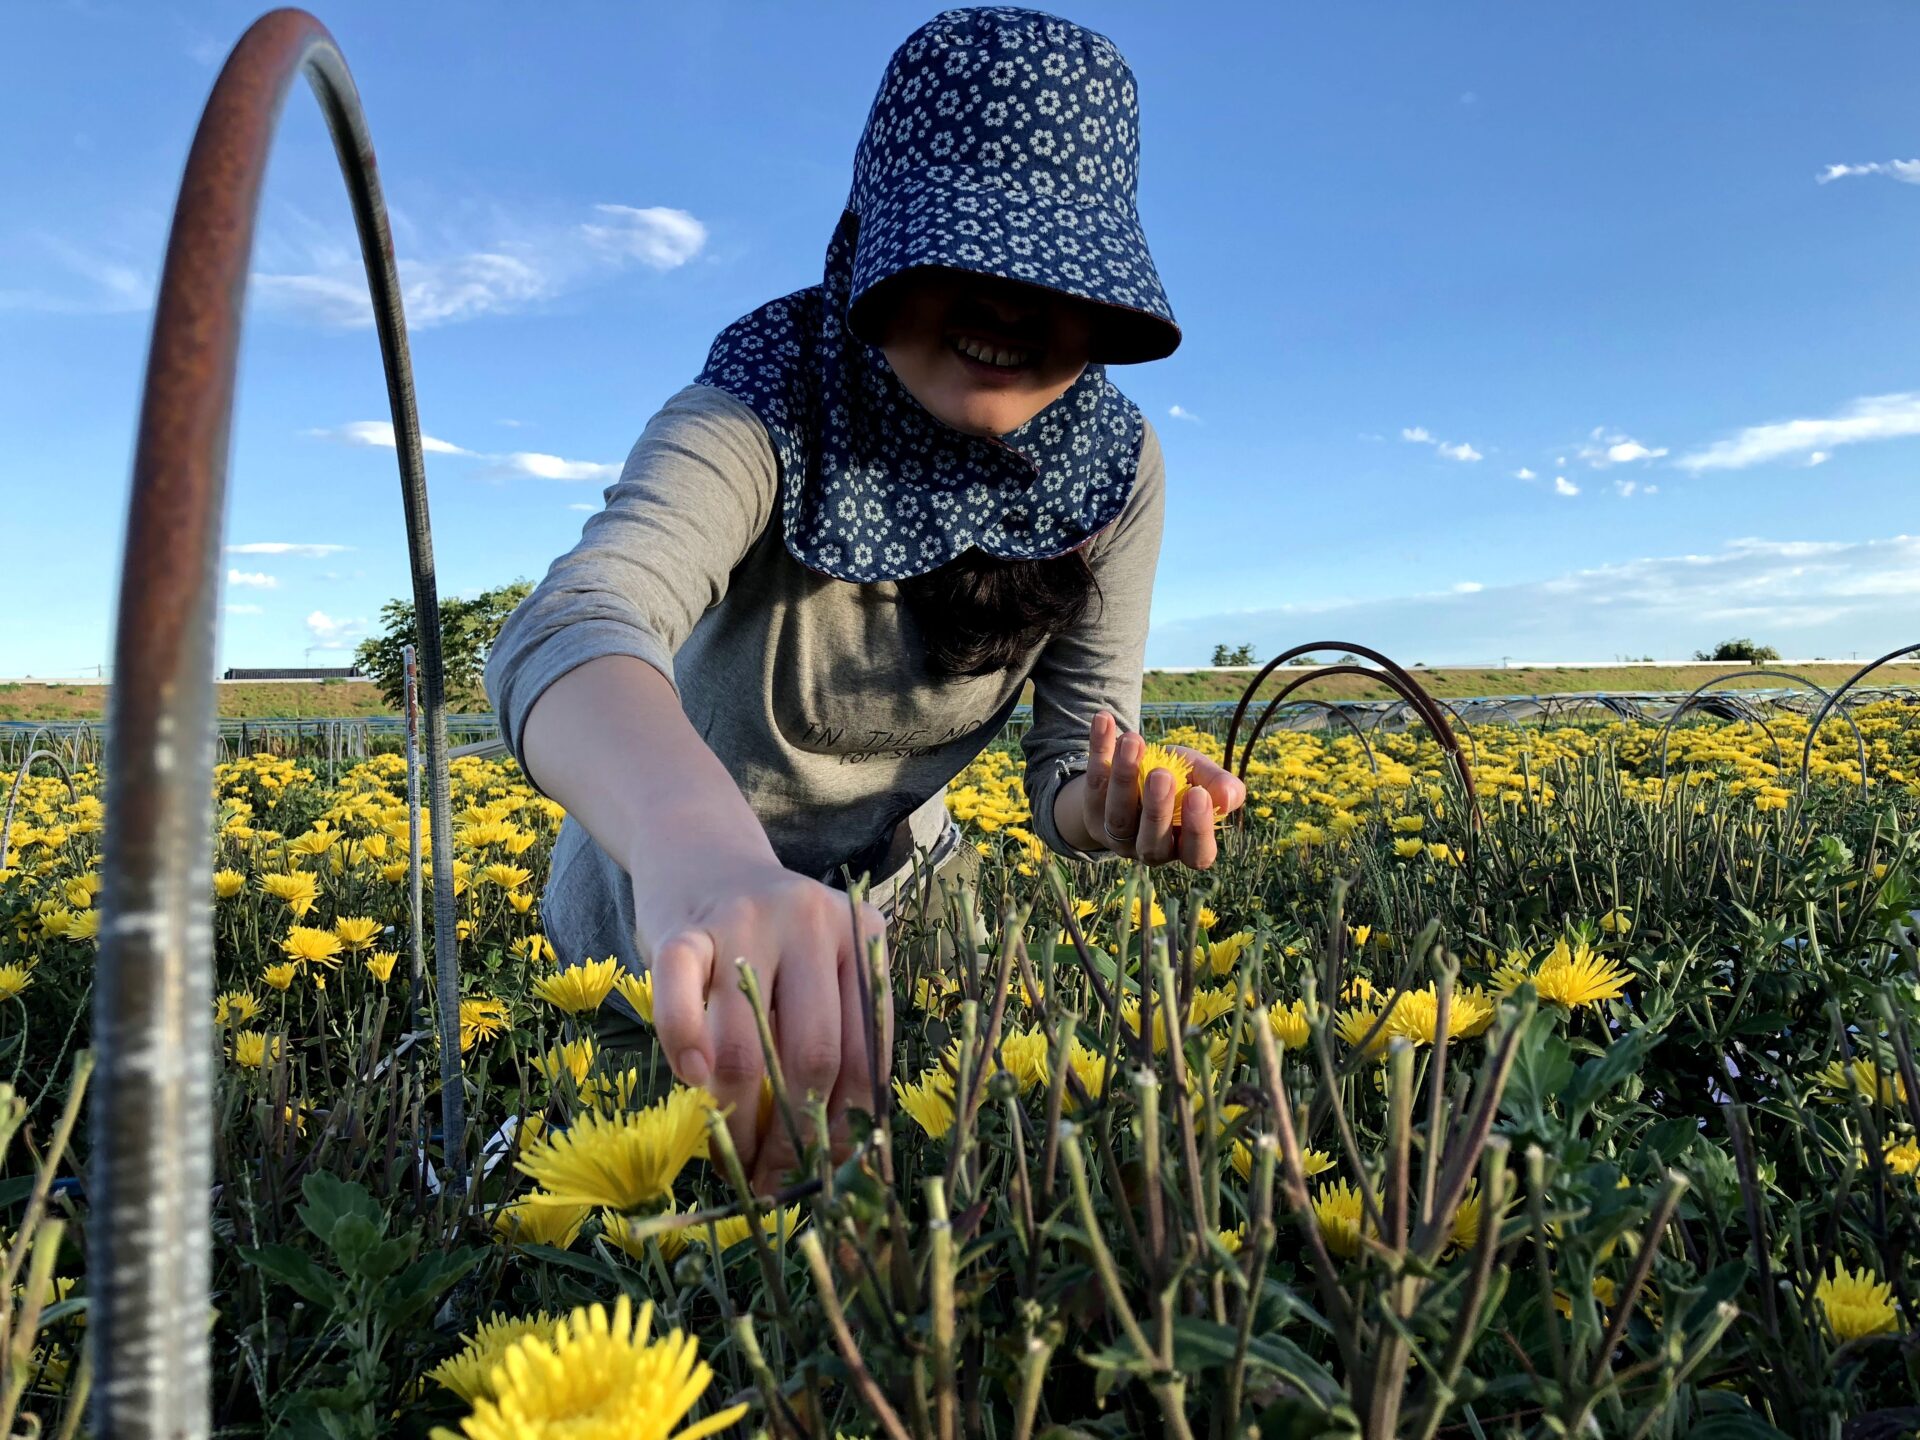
(1558, 332)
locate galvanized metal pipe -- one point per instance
(151, 1161)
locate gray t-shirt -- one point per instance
(814, 692)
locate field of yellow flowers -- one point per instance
(1582, 1104)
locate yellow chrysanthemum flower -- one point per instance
(732, 1230)
(235, 1007)
(623, 1233)
(580, 988)
(637, 991)
(1903, 1158)
(305, 944)
(575, 1058)
(1873, 1081)
(622, 1161)
(1409, 847)
(527, 1223)
(1024, 1056)
(356, 932)
(1416, 1015)
(1604, 1291)
(1232, 1241)
(299, 890)
(507, 877)
(1161, 757)
(83, 925)
(1617, 921)
(279, 977)
(483, 1017)
(1223, 955)
(1856, 1303)
(1289, 1024)
(254, 1050)
(1089, 1067)
(469, 1373)
(1208, 1006)
(929, 1100)
(595, 1379)
(380, 964)
(1341, 1213)
(228, 883)
(1572, 976)
(14, 979)
(1466, 1220)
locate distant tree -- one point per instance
(468, 629)
(1233, 655)
(1303, 660)
(1739, 652)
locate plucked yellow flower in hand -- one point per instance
(591, 1378)
(623, 1161)
(580, 988)
(1856, 1303)
(1161, 757)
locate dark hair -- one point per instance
(979, 613)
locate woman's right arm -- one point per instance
(581, 677)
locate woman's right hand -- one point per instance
(797, 934)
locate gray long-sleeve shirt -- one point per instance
(814, 692)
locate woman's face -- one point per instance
(983, 354)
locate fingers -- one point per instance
(1122, 814)
(737, 1062)
(1104, 735)
(682, 971)
(806, 998)
(1228, 790)
(1198, 847)
(1154, 842)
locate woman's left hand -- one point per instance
(1146, 827)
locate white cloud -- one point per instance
(583, 506)
(1818, 457)
(1420, 435)
(1180, 412)
(1806, 597)
(379, 433)
(1626, 489)
(1564, 486)
(552, 467)
(1611, 447)
(82, 282)
(1872, 417)
(315, 277)
(1467, 587)
(519, 462)
(1905, 170)
(254, 579)
(331, 634)
(657, 236)
(285, 547)
(1523, 473)
(241, 607)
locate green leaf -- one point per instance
(1669, 1139)
(1723, 1283)
(330, 1200)
(297, 1271)
(1734, 1427)
(415, 1288)
(1200, 1345)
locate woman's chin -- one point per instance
(987, 412)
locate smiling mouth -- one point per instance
(1000, 357)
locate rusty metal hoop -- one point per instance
(152, 1171)
(1396, 679)
(1273, 705)
(1806, 751)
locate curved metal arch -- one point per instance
(152, 1169)
(1780, 760)
(1380, 718)
(19, 780)
(1396, 678)
(1833, 700)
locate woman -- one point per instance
(831, 564)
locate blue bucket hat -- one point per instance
(1002, 142)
